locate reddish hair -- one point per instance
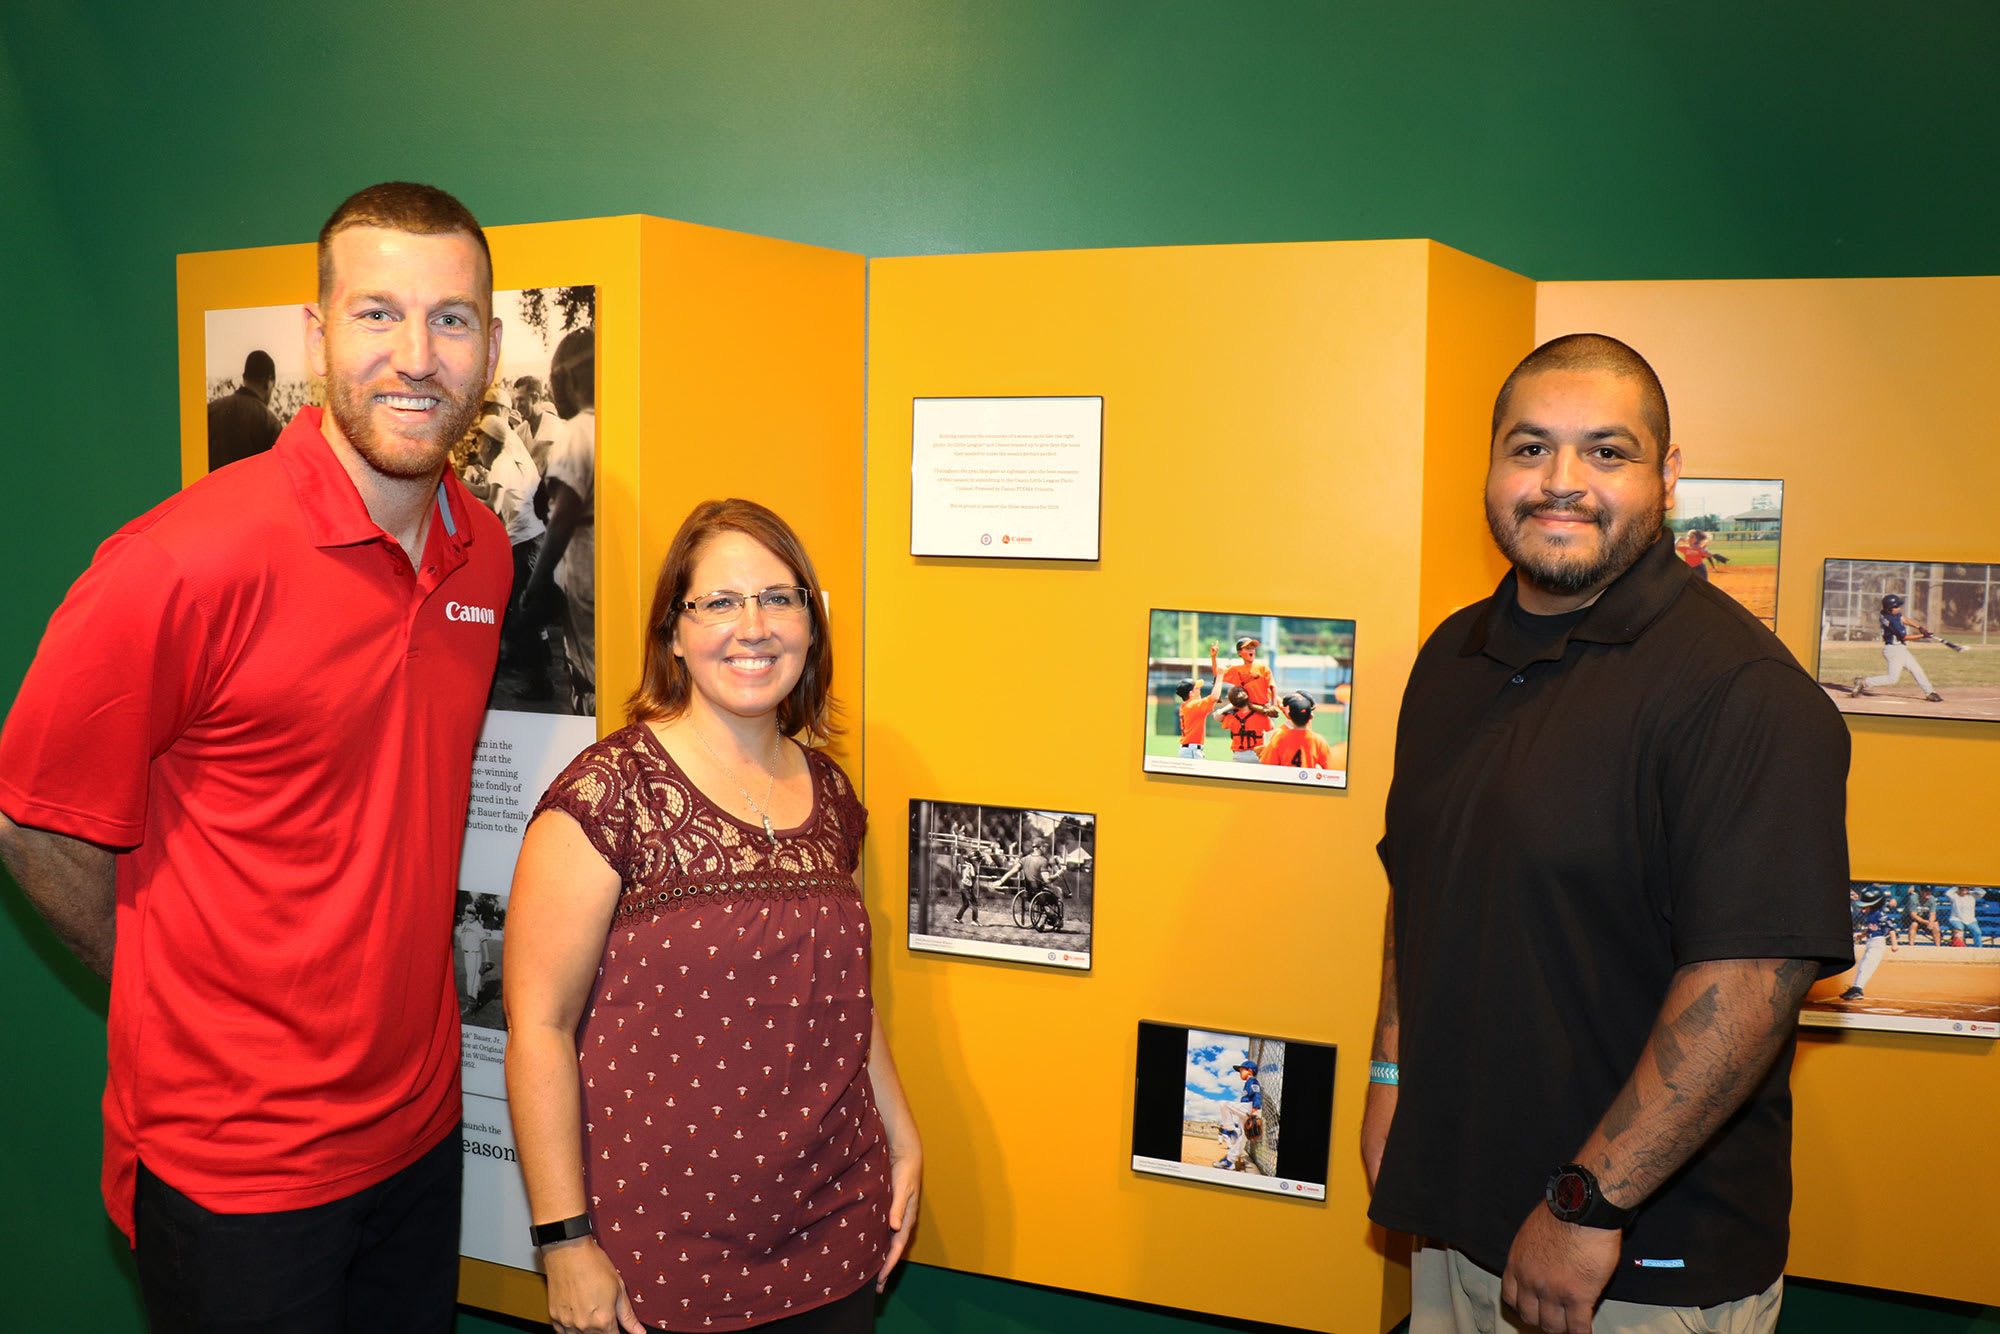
(664, 683)
(402, 206)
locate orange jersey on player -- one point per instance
(1254, 677)
(1246, 729)
(1297, 748)
(1194, 713)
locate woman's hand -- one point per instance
(906, 1179)
(586, 1296)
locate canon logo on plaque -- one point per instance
(460, 611)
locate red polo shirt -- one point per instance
(252, 691)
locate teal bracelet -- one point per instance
(1384, 1072)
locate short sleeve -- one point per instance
(122, 670)
(1754, 801)
(594, 791)
(848, 812)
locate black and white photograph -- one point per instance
(531, 458)
(1911, 638)
(254, 365)
(476, 934)
(1002, 882)
(1233, 1109)
(1926, 960)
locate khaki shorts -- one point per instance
(1451, 1295)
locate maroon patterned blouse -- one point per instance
(735, 1161)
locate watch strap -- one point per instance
(1595, 1211)
(567, 1229)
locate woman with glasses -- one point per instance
(707, 1114)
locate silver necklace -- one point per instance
(730, 774)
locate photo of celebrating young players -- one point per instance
(1233, 1109)
(1926, 960)
(1727, 530)
(1261, 699)
(1001, 882)
(1911, 639)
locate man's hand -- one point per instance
(1376, 1116)
(1556, 1271)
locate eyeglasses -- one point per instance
(780, 601)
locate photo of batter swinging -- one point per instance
(1911, 639)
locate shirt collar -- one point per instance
(1620, 615)
(334, 513)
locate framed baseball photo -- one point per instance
(1244, 1110)
(1728, 530)
(1911, 639)
(1926, 960)
(1003, 882)
(1249, 697)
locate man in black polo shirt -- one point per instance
(1617, 855)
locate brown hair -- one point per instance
(1593, 352)
(664, 684)
(403, 206)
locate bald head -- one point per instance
(1593, 352)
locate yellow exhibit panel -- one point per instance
(1869, 399)
(1269, 424)
(750, 385)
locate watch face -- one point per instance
(1569, 1193)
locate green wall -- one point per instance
(1589, 140)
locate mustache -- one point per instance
(1568, 509)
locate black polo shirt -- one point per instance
(1579, 810)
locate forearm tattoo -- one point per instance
(1707, 1052)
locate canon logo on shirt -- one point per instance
(460, 611)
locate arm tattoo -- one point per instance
(1388, 1014)
(1703, 1059)
(1687, 1029)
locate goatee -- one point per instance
(1565, 574)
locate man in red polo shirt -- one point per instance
(234, 782)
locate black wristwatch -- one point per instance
(568, 1229)
(1575, 1197)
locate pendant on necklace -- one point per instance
(769, 832)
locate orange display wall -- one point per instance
(1871, 399)
(1287, 430)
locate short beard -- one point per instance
(1561, 575)
(350, 404)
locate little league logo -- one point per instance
(986, 539)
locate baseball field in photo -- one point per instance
(1288, 667)
(1911, 639)
(1933, 969)
(1730, 529)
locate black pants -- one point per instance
(384, 1258)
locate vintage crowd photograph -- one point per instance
(1911, 639)
(1002, 882)
(1926, 960)
(1250, 698)
(1728, 530)
(531, 458)
(1233, 1109)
